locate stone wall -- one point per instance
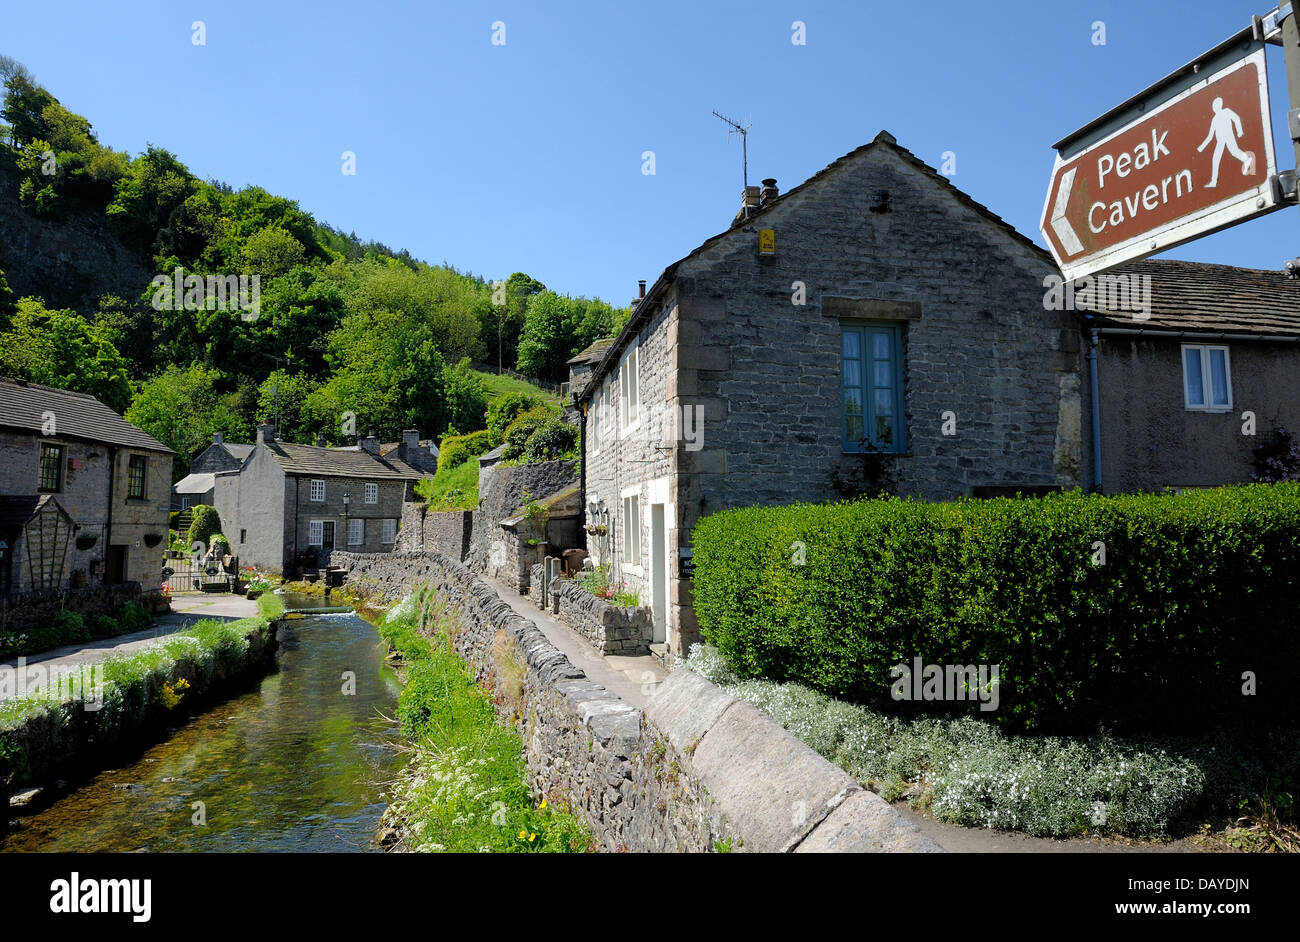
(611, 629)
(501, 494)
(39, 609)
(441, 531)
(695, 771)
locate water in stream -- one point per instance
(294, 764)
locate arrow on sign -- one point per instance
(1060, 225)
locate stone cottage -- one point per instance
(197, 486)
(1194, 378)
(874, 326)
(288, 506)
(83, 493)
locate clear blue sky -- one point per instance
(527, 156)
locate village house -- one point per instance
(874, 326)
(288, 506)
(83, 493)
(197, 486)
(1192, 385)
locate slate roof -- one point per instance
(194, 484)
(592, 353)
(1200, 297)
(336, 462)
(76, 415)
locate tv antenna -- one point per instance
(743, 131)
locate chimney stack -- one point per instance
(749, 200)
(410, 445)
(320, 439)
(217, 438)
(769, 191)
(640, 289)
(265, 433)
(370, 444)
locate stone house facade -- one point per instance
(198, 486)
(290, 505)
(83, 493)
(874, 325)
(1191, 386)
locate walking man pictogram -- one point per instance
(1225, 128)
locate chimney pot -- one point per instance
(769, 192)
(217, 438)
(640, 289)
(370, 444)
(320, 439)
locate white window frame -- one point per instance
(629, 389)
(356, 532)
(187, 503)
(372, 493)
(315, 532)
(630, 528)
(388, 532)
(1207, 385)
(313, 490)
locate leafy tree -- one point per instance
(129, 325)
(24, 108)
(272, 251)
(466, 397)
(182, 406)
(61, 349)
(155, 184)
(286, 394)
(6, 302)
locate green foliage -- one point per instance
(519, 431)
(556, 328)
(456, 449)
(204, 523)
(220, 543)
(1193, 590)
(506, 409)
(270, 606)
(551, 440)
(466, 786)
(60, 348)
(133, 617)
(467, 398)
(970, 773)
(454, 488)
(182, 406)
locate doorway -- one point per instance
(115, 565)
(658, 574)
(327, 536)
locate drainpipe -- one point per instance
(582, 472)
(1096, 410)
(108, 525)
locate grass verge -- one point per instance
(465, 788)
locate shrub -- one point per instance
(457, 449)
(105, 626)
(220, 543)
(205, 522)
(1193, 590)
(551, 440)
(520, 430)
(69, 626)
(133, 617)
(505, 410)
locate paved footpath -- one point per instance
(632, 678)
(187, 608)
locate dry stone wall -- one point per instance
(697, 770)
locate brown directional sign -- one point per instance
(1182, 167)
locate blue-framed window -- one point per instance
(871, 356)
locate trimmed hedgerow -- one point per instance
(1131, 611)
(457, 449)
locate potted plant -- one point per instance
(160, 602)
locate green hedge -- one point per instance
(1194, 590)
(457, 449)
